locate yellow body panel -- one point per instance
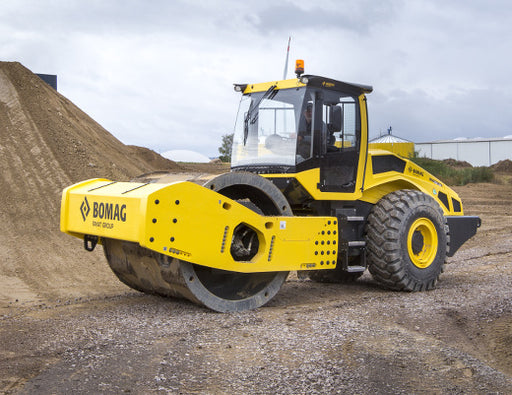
(376, 186)
(187, 221)
(344, 144)
(101, 207)
(264, 86)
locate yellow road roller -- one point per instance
(304, 193)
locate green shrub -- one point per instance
(454, 176)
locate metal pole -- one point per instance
(286, 62)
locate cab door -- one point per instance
(340, 144)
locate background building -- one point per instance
(394, 144)
(477, 152)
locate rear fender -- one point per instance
(387, 172)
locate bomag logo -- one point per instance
(85, 208)
(326, 84)
(105, 211)
(414, 171)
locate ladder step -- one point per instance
(355, 269)
(355, 218)
(357, 243)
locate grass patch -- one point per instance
(455, 176)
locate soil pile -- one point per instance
(456, 163)
(46, 144)
(504, 166)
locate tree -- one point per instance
(225, 148)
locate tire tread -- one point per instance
(383, 234)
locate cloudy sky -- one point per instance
(159, 73)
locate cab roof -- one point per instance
(307, 80)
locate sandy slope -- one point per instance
(46, 144)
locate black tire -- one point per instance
(407, 239)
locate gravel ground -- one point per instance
(311, 338)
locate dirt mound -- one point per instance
(504, 166)
(46, 144)
(153, 159)
(456, 163)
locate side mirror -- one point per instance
(335, 119)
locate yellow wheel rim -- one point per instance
(422, 243)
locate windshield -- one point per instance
(266, 128)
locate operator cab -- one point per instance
(300, 124)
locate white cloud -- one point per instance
(159, 74)
(186, 156)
